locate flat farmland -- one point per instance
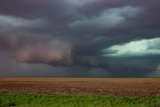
(83, 86)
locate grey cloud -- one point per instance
(108, 18)
(156, 73)
(13, 24)
(158, 68)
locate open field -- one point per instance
(83, 86)
(79, 92)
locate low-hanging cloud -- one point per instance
(51, 52)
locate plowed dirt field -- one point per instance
(83, 86)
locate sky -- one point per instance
(80, 38)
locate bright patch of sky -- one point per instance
(134, 48)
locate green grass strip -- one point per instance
(32, 100)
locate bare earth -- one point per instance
(83, 86)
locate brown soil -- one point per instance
(83, 86)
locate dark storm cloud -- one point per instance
(76, 33)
